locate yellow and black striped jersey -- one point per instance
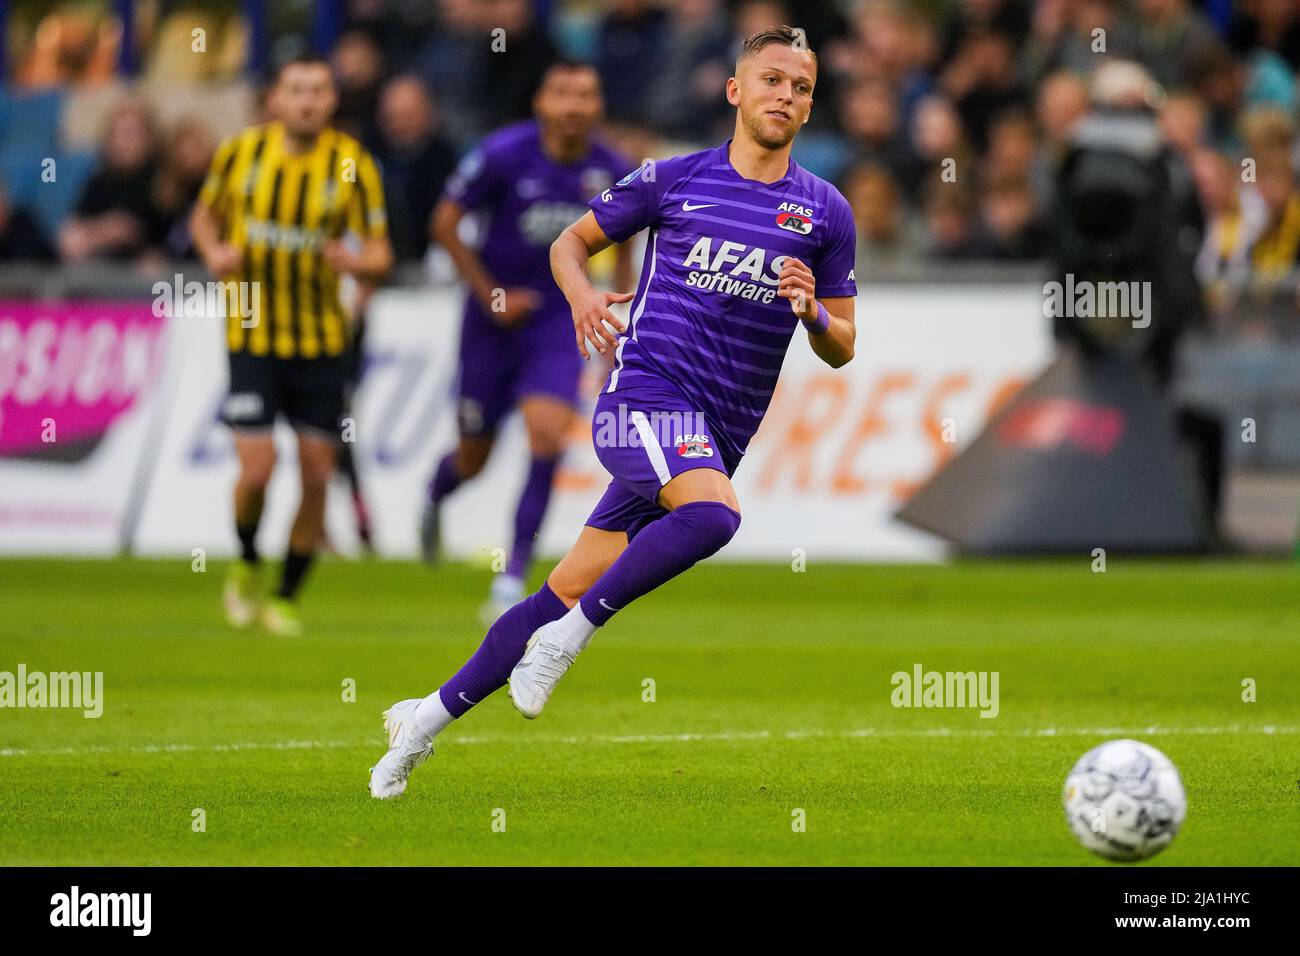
(279, 210)
(1277, 250)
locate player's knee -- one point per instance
(315, 476)
(712, 523)
(470, 461)
(546, 446)
(255, 473)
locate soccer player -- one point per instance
(744, 248)
(271, 218)
(530, 181)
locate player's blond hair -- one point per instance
(790, 36)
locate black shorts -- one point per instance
(308, 392)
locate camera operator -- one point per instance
(1125, 210)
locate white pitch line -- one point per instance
(718, 737)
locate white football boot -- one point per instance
(546, 658)
(407, 749)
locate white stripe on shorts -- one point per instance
(651, 445)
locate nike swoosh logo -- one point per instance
(461, 695)
(602, 603)
(687, 207)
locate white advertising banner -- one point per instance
(838, 453)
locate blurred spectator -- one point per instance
(755, 16)
(1267, 25)
(981, 79)
(359, 72)
(21, 235)
(1062, 103)
(937, 137)
(870, 121)
(514, 52)
(450, 63)
(627, 51)
(1076, 35)
(415, 161)
(1013, 147)
(1009, 219)
(166, 29)
(1182, 122)
(398, 28)
(1267, 131)
(888, 235)
(1276, 252)
(971, 17)
(892, 43)
(687, 100)
(1170, 39)
(951, 216)
(115, 216)
(70, 44)
(186, 157)
(1234, 219)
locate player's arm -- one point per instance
(592, 319)
(829, 321)
(367, 218)
(206, 220)
(507, 306)
(221, 258)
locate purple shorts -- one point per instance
(645, 435)
(500, 367)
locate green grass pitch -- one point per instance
(772, 695)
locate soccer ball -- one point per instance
(1124, 800)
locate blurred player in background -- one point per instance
(530, 180)
(734, 231)
(274, 210)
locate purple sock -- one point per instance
(529, 514)
(500, 651)
(445, 479)
(660, 552)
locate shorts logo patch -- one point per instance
(694, 446)
(794, 222)
(242, 406)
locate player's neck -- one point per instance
(757, 162)
(299, 145)
(562, 149)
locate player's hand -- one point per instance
(511, 307)
(797, 284)
(223, 260)
(592, 320)
(338, 256)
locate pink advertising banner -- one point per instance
(70, 370)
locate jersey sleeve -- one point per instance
(366, 213)
(217, 183)
(631, 204)
(834, 268)
(476, 183)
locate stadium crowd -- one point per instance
(940, 121)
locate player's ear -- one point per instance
(733, 91)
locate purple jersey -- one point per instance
(529, 199)
(706, 316)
